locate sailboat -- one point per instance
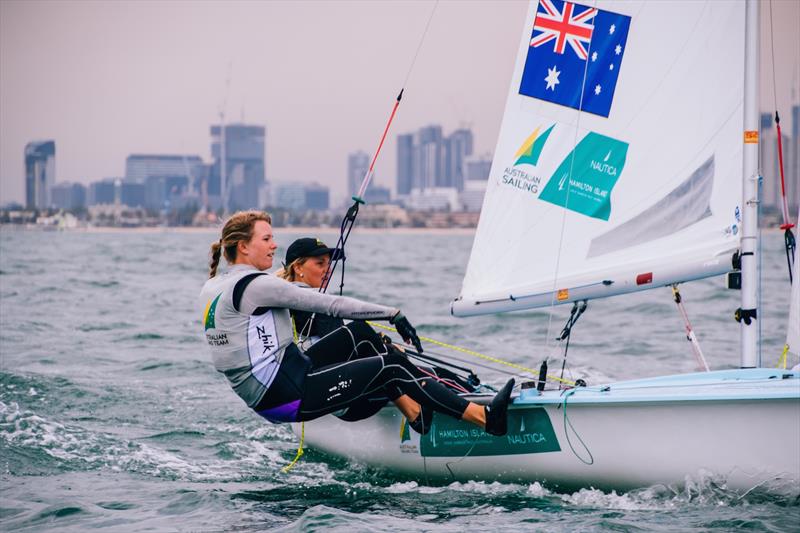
(627, 161)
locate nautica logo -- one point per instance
(604, 166)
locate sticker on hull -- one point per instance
(529, 431)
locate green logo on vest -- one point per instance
(594, 166)
(529, 431)
(208, 319)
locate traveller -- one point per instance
(249, 331)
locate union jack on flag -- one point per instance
(571, 26)
(565, 36)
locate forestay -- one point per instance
(793, 330)
(619, 162)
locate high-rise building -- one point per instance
(317, 197)
(458, 146)
(140, 167)
(69, 196)
(429, 158)
(405, 164)
(244, 169)
(103, 192)
(290, 195)
(169, 180)
(40, 173)
(478, 167)
(357, 167)
(131, 194)
(165, 192)
(378, 195)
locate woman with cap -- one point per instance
(248, 329)
(306, 265)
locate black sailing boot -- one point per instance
(422, 424)
(496, 419)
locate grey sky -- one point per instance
(107, 79)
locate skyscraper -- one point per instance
(244, 169)
(40, 173)
(169, 180)
(458, 146)
(103, 192)
(357, 167)
(429, 160)
(69, 196)
(405, 163)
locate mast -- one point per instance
(749, 249)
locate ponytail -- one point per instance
(216, 252)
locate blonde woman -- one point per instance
(248, 329)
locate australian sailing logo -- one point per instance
(575, 56)
(209, 322)
(585, 178)
(528, 154)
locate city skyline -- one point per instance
(80, 73)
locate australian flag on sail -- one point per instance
(569, 41)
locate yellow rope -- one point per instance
(297, 457)
(477, 354)
(782, 360)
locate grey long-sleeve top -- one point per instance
(248, 326)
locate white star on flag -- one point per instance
(612, 29)
(611, 66)
(594, 56)
(618, 50)
(552, 78)
(597, 89)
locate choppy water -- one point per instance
(112, 417)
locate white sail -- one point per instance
(793, 331)
(639, 188)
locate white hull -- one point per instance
(743, 427)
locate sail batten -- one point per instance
(614, 160)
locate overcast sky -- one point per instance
(107, 79)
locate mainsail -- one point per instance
(619, 162)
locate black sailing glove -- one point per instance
(406, 330)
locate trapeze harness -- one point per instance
(249, 331)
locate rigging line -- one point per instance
(690, 336)
(772, 47)
(567, 421)
(422, 40)
(476, 354)
(479, 365)
(350, 217)
(566, 333)
(466, 454)
(787, 223)
(566, 198)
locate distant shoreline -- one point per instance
(212, 230)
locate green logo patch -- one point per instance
(584, 179)
(531, 149)
(529, 431)
(208, 319)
